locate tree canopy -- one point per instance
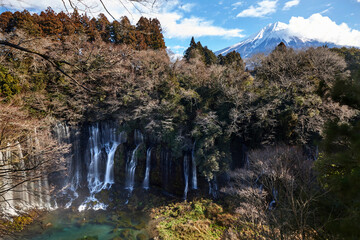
(147, 34)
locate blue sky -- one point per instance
(221, 23)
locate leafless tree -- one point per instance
(277, 193)
(28, 153)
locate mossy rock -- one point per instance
(117, 238)
(125, 234)
(88, 238)
(141, 236)
(140, 226)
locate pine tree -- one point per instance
(49, 23)
(193, 46)
(157, 39)
(5, 20)
(232, 59)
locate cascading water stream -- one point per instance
(213, 187)
(166, 169)
(65, 135)
(146, 183)
(193, 165)
(132, 162)
(20, 192)
(23, 191)
(8, 205)
(93, 176)
(186, 175)
(103, 140)
(272, 204)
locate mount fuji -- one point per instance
(268, 38)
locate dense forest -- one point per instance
(281, 136)
(57, 26)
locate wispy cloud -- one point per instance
(291, 4)
(322, 28)
(237, 4)
(177, 47)
(187, 7)
(326, 10)
(262, 9)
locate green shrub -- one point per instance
(9, 86)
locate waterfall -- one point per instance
(132, 162)
(213, 188)
(62, 132)
(23, 195)
(74, 169)
(23, 190)
(31, 187)
(93, 177)
(46, 190)
(186, 175)
(165, 168)
(39, 193)
(193, 165)
(247, 162)
(146, 183)
(7, 205)
(66, 135)
(102, 144)
(272, 204)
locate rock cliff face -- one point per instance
(106, 159)
(103, 156)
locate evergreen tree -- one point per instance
(188, 51)
(5, 20)
(126, 34)
(197, 50)
(49, 23)
(232, 58)
(281, 47)
(146, 35)
(103, 26)
(339, 166)
(157, 39)
(9, 86)
(209, 57)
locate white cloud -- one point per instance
(358, 1)
(323, 29)
(187, 7)
(177, 47)
(291, 4)
(32, 4)
(170, 14)
(262, 9)
(177, 26)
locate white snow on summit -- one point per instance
(268, 38)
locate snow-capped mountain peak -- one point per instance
(268, 38)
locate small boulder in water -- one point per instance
(48, 225)
(88, 238)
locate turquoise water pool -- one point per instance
(102, 225)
